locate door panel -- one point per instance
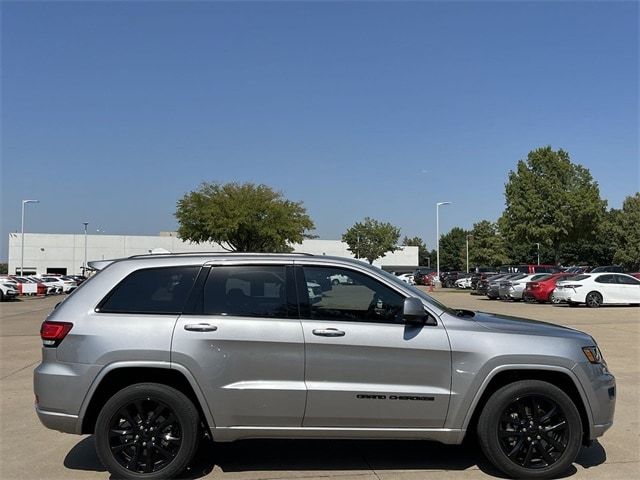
(376, 375)
(363, 366)
(251, 370)
(244, 351)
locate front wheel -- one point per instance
(530, 429)
(147, 431)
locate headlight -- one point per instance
(593, 354)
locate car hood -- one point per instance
(507, 324)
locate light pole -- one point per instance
(84, 265)
(438, 238)
(468, 251)
(24, 202)
(538, 245)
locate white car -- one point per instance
(463, 282)
(8, 289)
(315, 292)
(62, 286)
(407, 277)
(340, 279)
(598, 289)
(516, 287)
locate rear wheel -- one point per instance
(530, 429)
(593, 299)
(147, 431)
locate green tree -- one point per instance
(552, 201)
(242, 217)
(453, 254)
(486, 246)
(627, 234)
(423, 253)
(371, 239)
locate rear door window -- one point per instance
(152, 291)
(606, 279)
(246, 291)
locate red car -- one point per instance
(637, 274)
(541, 291)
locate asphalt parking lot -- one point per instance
(29, 451)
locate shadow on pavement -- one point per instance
(328, 456)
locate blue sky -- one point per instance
(111, 111)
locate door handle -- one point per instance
(200, 327)
(328, 332)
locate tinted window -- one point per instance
(153, 290)
(540, 278)
(577, 278)
(625, 280)
(606, 279)
(246, 291)
(361, 298)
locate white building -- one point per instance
(64, 253)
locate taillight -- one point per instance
(532, 285)
(52, 333)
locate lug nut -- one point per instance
(538, 437)
(144, 444)
(528, 439)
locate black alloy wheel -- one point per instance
(593, 300)
(147, 431)
(145, 436)
(533, 432)
(530, 429)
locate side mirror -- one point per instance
(413, 312)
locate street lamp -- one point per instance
(538, 245)
(84, 265)
(24, 202)
(438, 237)
(468, 236)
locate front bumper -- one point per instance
(600, 389)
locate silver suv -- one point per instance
(156, 351)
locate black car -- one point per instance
(608, 269)
(480, 281)
(420, 275)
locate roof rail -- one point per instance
(170, 254)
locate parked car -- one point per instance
(637, 274)
(315, 291)
(464, 282)
(63, 286)
(530, 268)
(407, 277)
(146, 373)
(8, 289)
(505, 284)
(597, 289)
(541, 290)
(493, 289)
(608, 269)
(448, 279)
(483, 285)
(340, 280)
(420, 275)
(477, 285)
(517, 285)
(31, 286)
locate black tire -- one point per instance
(167, 410)
(505, 426)
(593, 299)
(572, 304)
(1, 296)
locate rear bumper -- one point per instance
(62, 422)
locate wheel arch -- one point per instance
(116, 377)
(559, 377)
